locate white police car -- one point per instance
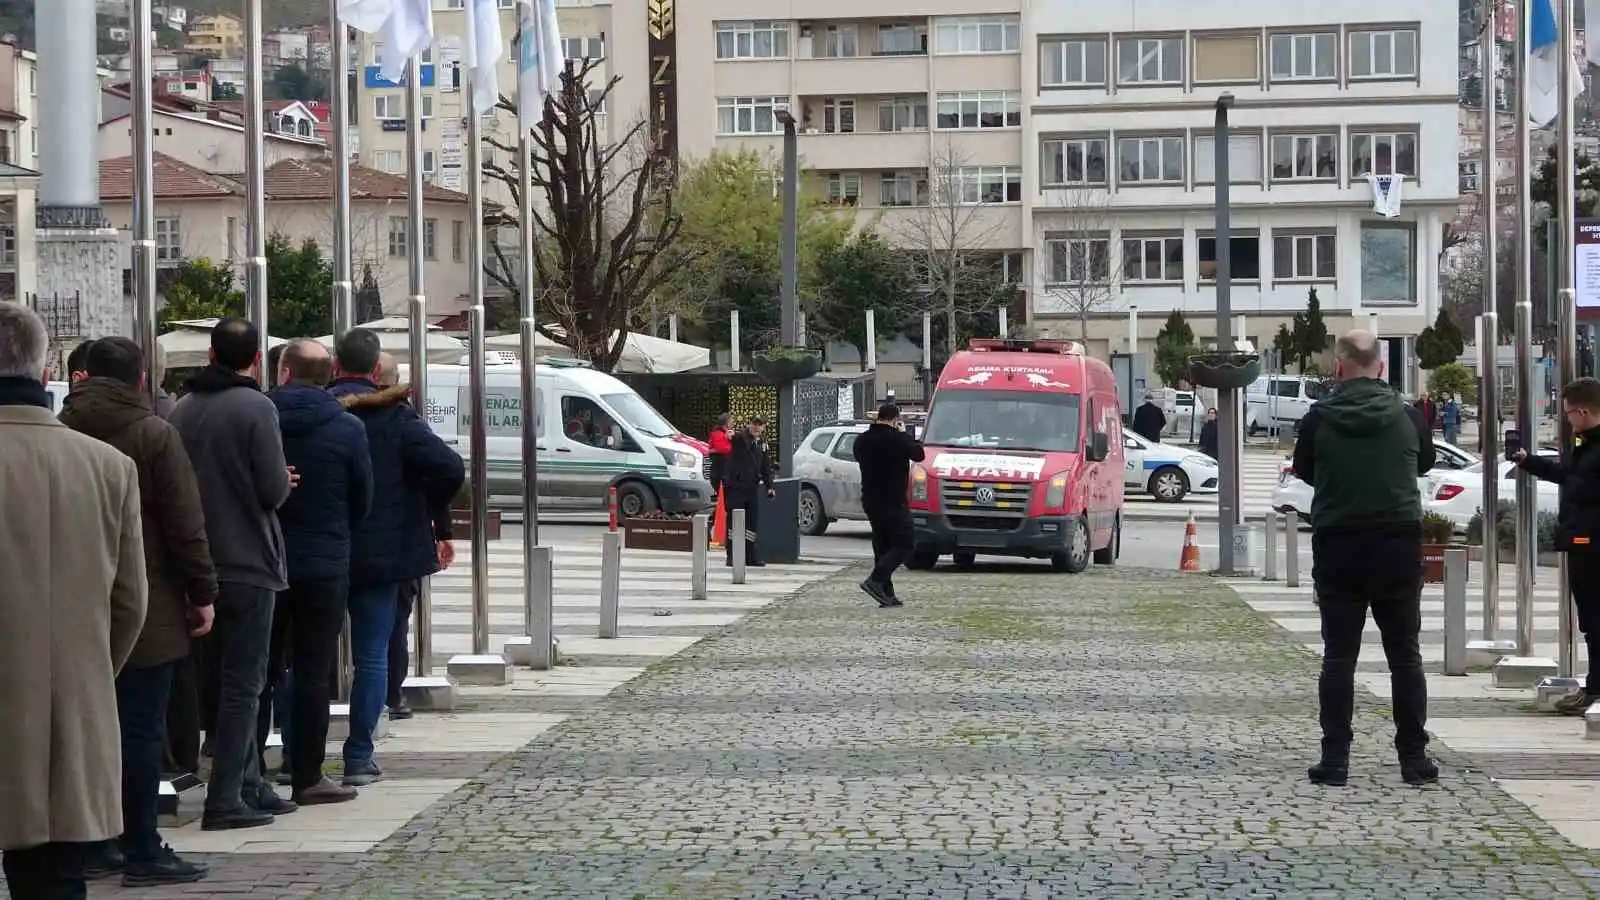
(1166, 472)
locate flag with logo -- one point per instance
(1386, 194)
(485, 47)
(404, 26)
(1546, 55)
(539, 59)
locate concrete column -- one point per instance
(27, 241)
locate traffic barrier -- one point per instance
(719, 525)
(1189, 561)
(1291, 551)
(611, 506)
(699, 549)
(1270, 547)
(610, 583)
(738, 547)
(1455, 611)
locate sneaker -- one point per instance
(1575, 704)
(400, 712)
(243, 817)
(166, 868)
(268, 801)
(361, 774)
(1329, 774)
(324, 792)
(105, 861)
(1419, 771)
(876, 592)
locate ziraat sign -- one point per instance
(987, 465)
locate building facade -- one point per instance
(217, 35)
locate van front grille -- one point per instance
(986, 498)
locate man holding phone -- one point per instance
(1579, 518)
(885, 453)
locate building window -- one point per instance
(1244, 159)
(1390, 53)
(458, 241)
(902, 189)
(1303, 257)
(430, 162)
(753, 40)
(1073, 62)
(1304, 57)
(1073, 162)
(1386, 264)
(1157, 258)
(169, 240)
(980, 109)
(1383, 153)
(1149, 61)
(1227, 58)
(840, 42)
(1078, 260)
(902, 40)
(989, 184)
(1468, 175)
(398, 247)
(233, 232)
(583, 48)
(430, 238)
(1305, 157)
(979, 34)
(750, 115)
(1245, 261)
(391, 161)
(844, 188)
(8, 245)
(903, 114)
(839, 116)
(1150, 160)
(388, 106)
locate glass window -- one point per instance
(979, 34)
(1390, 53)
(980, 109)
(1150, 160)
(753, 40)
(1387, 265)
(388, 106)
(846, 447)
(839, 42)
(819, 443)
(585, 422)
(169, 240)
(1147, 259)
(1305, 157)
(1304, 57)
(1072, 62)
(1149, 61)
(902, 40)
(1005, 420)
(839, 116)
(1244, 257)
(749, 115)
(901, 189)
(1227, 58)
(430, 231)
(1383, 153)
(1244, 159)
(988, 184)
(458, 241)
(1303, 257)
(1073, 161)
(398, 234)
(844, 188)
(639, 414)
(903, 114)
(1078, 260)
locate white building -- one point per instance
(1121, 162)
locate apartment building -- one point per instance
(217, 35)
(1122, 107)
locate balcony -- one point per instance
(888, 132)
(836, 57)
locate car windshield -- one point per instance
(632, 409)
(1005, 420)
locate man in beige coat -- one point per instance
(72, 604)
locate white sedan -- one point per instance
(1293, 496)
(1459, 495)
(1166, 471)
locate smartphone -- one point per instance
(1513, 443)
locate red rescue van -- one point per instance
(1024, 443)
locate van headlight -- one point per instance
(919, 484)
(681, 459)
(1056, 496)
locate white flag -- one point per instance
(539, 59)
(404, 26)
(1386, 194)
(485, 47)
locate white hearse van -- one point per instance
(595, 432)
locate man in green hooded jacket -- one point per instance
(1361, 448)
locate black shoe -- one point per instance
(1419, 771)
(876, 592)
(268, 801)
(243, 817)
(1329, 774)
(105, 862)
(166, 868)
(400, 711)
(756, 563)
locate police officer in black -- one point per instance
(747, 471)
(885, 453)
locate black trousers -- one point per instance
(892, 543)
(48, 872)
(305, 636)
(183, 718)
(399, 653)
(750, 502)
(243, 643)
(1583, 573)
(1377, 569)
(142, 718)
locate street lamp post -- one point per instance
(1229, 432)
(790, 263)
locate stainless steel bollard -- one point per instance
(1291, 551)
(540, 610)
(610, 582)
(1269, 547)
(422, 630)
(701, 547)
(736, 544)
(1455, 611)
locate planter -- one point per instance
(1224, 371)
(1433, 563)
(786, 365)
(461, 519)
(673, 535)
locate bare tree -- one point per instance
(949, 238)
(1075, 261)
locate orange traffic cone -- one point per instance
(719, 522)
(1189, 561)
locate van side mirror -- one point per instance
(1099, 446)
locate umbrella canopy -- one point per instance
(188, 344)
(394, 336)
(641, 353)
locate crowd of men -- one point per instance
(252, 522)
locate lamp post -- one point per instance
(789, 262)
(1228, 413)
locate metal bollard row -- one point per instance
(700, 549)
(1455, 611)
(736, 544)
(610, 582)
(1291, 551)
(1270, 547)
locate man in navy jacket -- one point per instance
(327, 447)
(415, 475)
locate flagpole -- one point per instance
(417, 308)
(1526, 512)
(144, 195)
(529, 336)
(1567, 352)
(1488, 370)
(478, 374)
(343, 291)
(255, 112)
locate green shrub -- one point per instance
(1546, 528)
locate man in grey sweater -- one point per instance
(230, 430)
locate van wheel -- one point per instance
(922, 559)
(635, 499)
(1109, 554)
(1168, 484)
(964, 559)
(1075, 558)
(813, 518)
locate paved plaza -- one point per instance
(1009, 733)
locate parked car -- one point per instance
(830, 478)
(1275, 401)
(1185, 415)
(1293, 496)
(1459, 495)
(1166, 472)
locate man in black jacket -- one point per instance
(1362, 449)
(746, 472)
(1148, 420)
(1579, 522)
(885, 454)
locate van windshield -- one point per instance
(632, 409)
(1005, 420)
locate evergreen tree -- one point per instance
(1175, 343)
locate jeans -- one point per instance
(399, 656)
(892, 543)
(142, 714)
(243, 629)
(1380, 570)
(371, 622)
(47, 872)
(1451, 433)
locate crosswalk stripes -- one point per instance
(1259, 478)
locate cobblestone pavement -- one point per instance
(1008, 734)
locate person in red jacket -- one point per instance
(721, 446)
